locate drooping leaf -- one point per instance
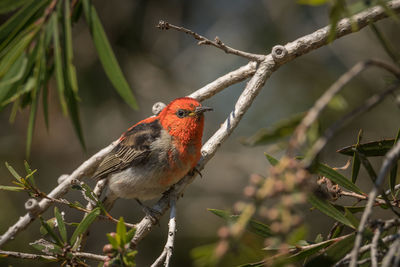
(31, 123)
(61, 225)
(327, 208)
(14, 74)
(370, 149)
(58, 64)
(84, 224)
(393, 172)
(106, 55)
(10, 5)
(278, 131)
(71, 72)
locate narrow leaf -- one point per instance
(61, 225)
(327, 208)
(51, 232)
(253, 226)
(113, 241)
(10, 5)
(278, 131)
(13, 172)
(106, 55)
(355, 168)
(29, 173)
(68, 47)
(393, 172)
(130, 234)
(121, 230)
(84, 224)
(11, 188)
(31, 123)
(58, 64)
(273, 161)
(370, 149)
(336, 177)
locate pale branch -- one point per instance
(245, 100)
(264, 71)
(225, 81)
(163, 25)
(299, 136)
(365, 248)
(85, 169)
(279, 56)
(22, 255)
(166, 255)
(374, 246)
(390, 158)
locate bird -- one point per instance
(155, 153)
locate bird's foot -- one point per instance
(194, 171)
(153, 214)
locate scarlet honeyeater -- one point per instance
(155, 153)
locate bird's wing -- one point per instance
(133, 148)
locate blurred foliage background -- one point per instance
(163, 65)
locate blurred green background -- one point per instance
(163, 65)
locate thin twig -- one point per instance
(394, 247)
(299, 135)
(368, 104)
(374, 246)
(166, 255)
(31, 256)
(391, 157)
(163, 25)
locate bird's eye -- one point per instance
(181, 113)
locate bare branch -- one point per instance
(391, 157)
(31, 256)
(374, 246)
(163, 25)
(298, 137)
(166, 255)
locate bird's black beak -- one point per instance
(202, 109)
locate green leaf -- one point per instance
(58, 64)
(355, 168)
(13, 172)
(336, 177)
(47, 247)
(14, 74)
(10, 5)
(370, 149)
(333, 253)
(113, 241)
(130, 234)
(121, 230)
(11, 188)
(350, 216)
(29, 173)
(278, 131)
(253, 226)
(31, 122)
(50, 231)
(309, 251)
(14, 25)
(84, 224)
(327, 208)
(61, 225)
(71, 72)
(393, 172)
(335, 14)
(312, 2)
(273, 161)
(106, 55)
(352, 209)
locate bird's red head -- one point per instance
(183, 118)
